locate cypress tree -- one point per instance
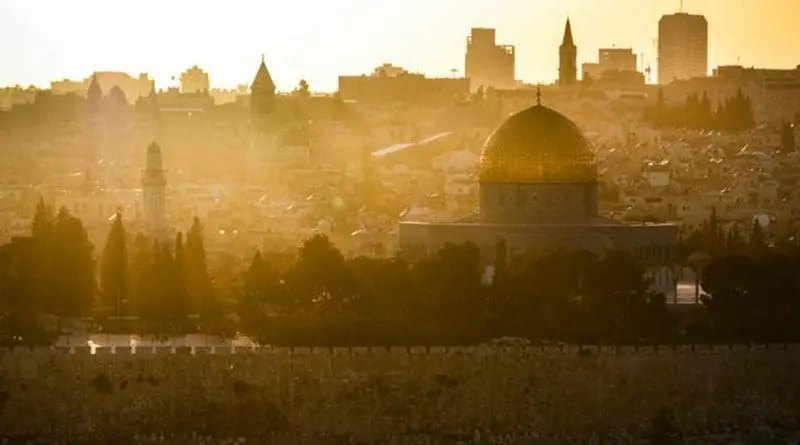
(141, 270)
(198, 283)
(163, 271)
(705, 113)
(177, 286)
(94, 95)
(114, 269)
(42, 232)
(72, 287)
(661, 110)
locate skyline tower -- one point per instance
(154, 185)
(568, 59)
(487, 64)
(682, 47)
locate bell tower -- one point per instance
(568, 59)
(154, 186)
(262, 94)
(262, 120)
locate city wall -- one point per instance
(376, 392)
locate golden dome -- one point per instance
(537, 145)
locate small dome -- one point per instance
(537, 145)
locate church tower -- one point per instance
(568, 59)
(262, 122)
(154, 186)
(262, 94)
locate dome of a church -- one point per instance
(537, 145)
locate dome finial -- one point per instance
(539, 94)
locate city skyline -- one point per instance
(164, 40)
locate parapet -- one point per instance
(477, 351)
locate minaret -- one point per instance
(568, 59)
(154, 186)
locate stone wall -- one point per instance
(377, 392)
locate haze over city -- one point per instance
(319, 39)
(441, 222)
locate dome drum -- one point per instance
(538, 203)
(537, 167)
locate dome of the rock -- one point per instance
(537, 145)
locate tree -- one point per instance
(94, 95)
(42, 224)
(177, 301)
(303, 91)
(383, 288)
(453, 280)
(712, 235)
(691, 112)
(705, 114)
(114, 268)
(263, 292)
(787, 138)
(757, 237)
(615, 296)
(500, 278)
(42, 233)
(72, 283)
(661, 111)
(198, 282)
(116, 98)
(587, 81)
(142, 278)
(19, 302)
(728, 282)
(320, 279)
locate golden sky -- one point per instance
(42, 40)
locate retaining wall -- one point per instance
(375, 392)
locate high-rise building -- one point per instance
(389, 83)
(621, 60)
(682, 47)
(154, 185)
(488, 64)
(567, 58)
(617, 59)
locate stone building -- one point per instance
(154, 186)
(538, 190)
